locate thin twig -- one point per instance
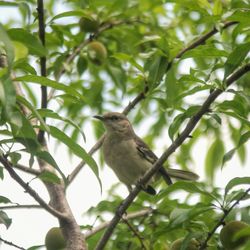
(201, 40)
(44, 100)
(176, 143)
(221, 221)
(28, 170)
(130, 216)
(142, 95)
(136, 233)
(11, 244)
(29, 190)
(20, 207)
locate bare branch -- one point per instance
(41, 30)
(27, 169)
(221, 221)
(29, 190)
(176, 143)
(135, 232)
(11, 244)
(20, 207)
(201, 40)
(130, 216)
(142, 95)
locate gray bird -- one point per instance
(129, 156)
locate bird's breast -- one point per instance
(123, 157)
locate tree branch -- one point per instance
(221, 221)
(136, 233)
(130, 216)
(11, 244)
(44, 101)
(25, 169)
(20, 207)
(29, 190)
(176, 143)
(142, 95)
(201, 40)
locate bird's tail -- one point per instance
(182, 174)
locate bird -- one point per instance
(130, 157)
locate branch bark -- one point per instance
(28, 170)
(176, 143)
(130, 216)
(29, 190)
(20, 207)
(41, 31)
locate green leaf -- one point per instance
(175, 125)
(8, 46)
(1, 173)
(190, 187)
(48, 176)
(217, 9)
(128, 58)
(82, 65)
(214, 157)
(50, 83)
(7, 3)
(15, 157)
(76, 149)
(244, 138)
(51, 114)
(242, 16)
(228, 156)
(243, 120)
(26, 135)
(80, 13)
(47, 157)
(30, 41)
(35, 247)
(236, 57)
(34, 111)
(4, 199)
(235, 105)
(204, 51)
(24, 66)
(179, 216)
(4, 219)
(156, 67)
(235, 182)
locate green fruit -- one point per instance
(88, 24)
(54, 239)
(97, 52)
(228, 232)
(192, 245)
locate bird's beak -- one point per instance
(99, 117)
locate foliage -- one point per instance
(148, 53)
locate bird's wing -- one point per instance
(145, 151)
(148, 154)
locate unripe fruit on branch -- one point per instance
(192, 245)
(97, 52)
(228, 232)
(54, 239)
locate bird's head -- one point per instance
(115, 122)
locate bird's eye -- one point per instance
(114, 118)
